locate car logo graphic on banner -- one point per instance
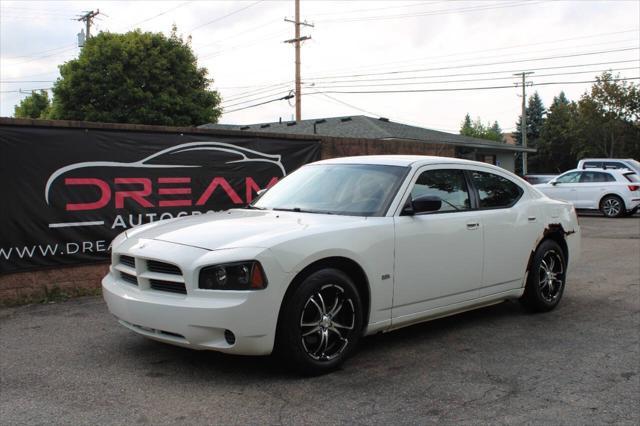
(164, 180)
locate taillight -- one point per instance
(633, 187)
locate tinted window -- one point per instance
(495, 191)
(589, 177)
(592, 165)
(613, 165)
(449, 185)
(572, 177)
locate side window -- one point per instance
(591, 177)
(572, 177)
(614, 165)
(592, 165)
(495, 191)
(449, 185)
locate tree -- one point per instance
(609, 119)
(476, 129)
(137, 77)
(467, 127)
(558, 136)
(36, 105)
(535, 112)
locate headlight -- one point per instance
(247, 275)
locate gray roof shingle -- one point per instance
(361, 126)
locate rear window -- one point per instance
(632, 177)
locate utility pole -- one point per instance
(296, 41)
(88, 20)
(523, 120)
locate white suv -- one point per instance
(614, 192)
(609, 163)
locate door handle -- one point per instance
(532, 218)
(472, 226)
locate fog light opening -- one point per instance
(229, 337)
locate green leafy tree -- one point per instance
(476, 129)
(559, 134)
(609, 119)
(466, 129)
(36, 105)
(144, 78)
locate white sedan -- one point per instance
(340, 249)
(614, 192)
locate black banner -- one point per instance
(66, 193)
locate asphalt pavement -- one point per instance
(71, 363)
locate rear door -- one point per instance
(510, 225)
(592, 186)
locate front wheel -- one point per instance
(612, 206)
(321, 322)
(546, 278)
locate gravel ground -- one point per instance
(72, 363)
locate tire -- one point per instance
(612, 206)
(321, 323)
(546, 278)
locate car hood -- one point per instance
(240, 228)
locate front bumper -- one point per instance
(200, 318)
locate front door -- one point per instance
(438, 254)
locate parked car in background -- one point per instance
(610, 163)
(340, 249)
(536, 179)
(615, 192)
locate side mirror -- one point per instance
(422, 204)
(261, 191)
(554, 182)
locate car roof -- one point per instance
(401, 160)
(606, 159)
(597, 169)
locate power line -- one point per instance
(481, 64)
(378, 8)
(256, 99)
(459, 89)
(430, 13)
(162, 13)
(473, 79)
(555, 41)
(479, 73)
(225, 16)
(284, 98)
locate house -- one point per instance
(361, 127)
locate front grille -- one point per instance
(163, 268)
(131, 279)
(128, 261)
(168, 286)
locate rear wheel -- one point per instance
(546, 279)
(321, 323)
(612, 206)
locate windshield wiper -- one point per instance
(252, 207)
(299, 210)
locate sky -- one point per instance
(428, 63)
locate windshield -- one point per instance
(345, 189)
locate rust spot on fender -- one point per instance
(552, 228)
